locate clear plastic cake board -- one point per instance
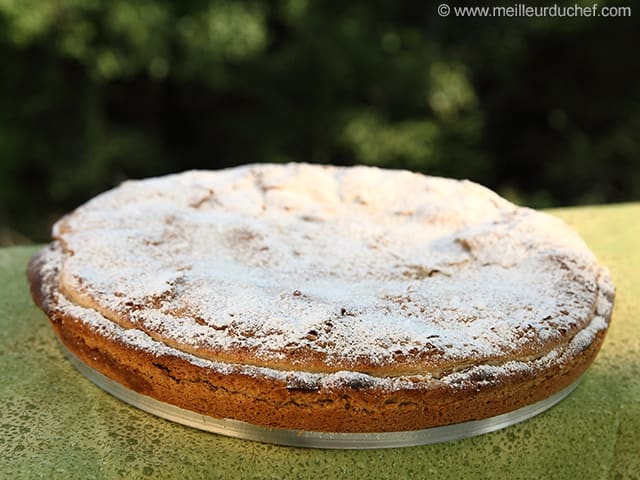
(309, 439)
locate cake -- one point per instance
(321, 298)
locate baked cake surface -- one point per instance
(324, 298)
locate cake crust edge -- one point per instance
(271, 402)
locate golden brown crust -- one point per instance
(273, 403)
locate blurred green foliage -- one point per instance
(546, 111)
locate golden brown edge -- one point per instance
(272, 403)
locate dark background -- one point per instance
(546, 111)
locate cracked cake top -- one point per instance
(324, 269)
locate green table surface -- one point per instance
(54, 423)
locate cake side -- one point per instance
(341, 401)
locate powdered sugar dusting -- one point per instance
(359, 267)
(477, 374)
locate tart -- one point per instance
(321, 298)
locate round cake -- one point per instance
(320, 298)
